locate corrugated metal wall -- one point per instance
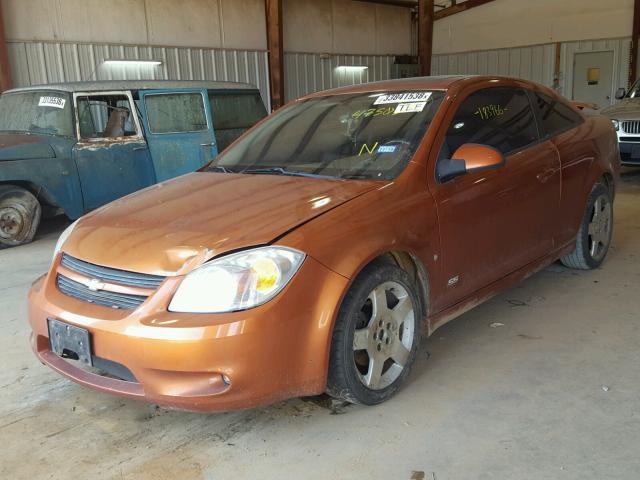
(310, 72)
(537, 62)
(49, 62)
(531, 63)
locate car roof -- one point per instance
(108, 85)
(443, 82)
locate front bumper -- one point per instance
(629, 152)
(269, 353)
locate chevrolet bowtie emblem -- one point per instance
(94, 285)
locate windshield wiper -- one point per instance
(220, 168)
(282, 171)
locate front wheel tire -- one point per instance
(594, 236)
(20, 214)
(376, 336)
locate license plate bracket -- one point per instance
(70, 342)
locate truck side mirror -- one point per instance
(620, 93)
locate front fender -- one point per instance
(399, 217)
(52, 180)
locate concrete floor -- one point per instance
(552, 394)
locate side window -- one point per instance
(234, 113)
(556, 117)
(500, 117)
(176, 112)
(105, 116)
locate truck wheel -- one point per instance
(20, 215)
(594, 236)
(376, 336)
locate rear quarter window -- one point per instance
(555, 116)
(234, 113)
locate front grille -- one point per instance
(111, 275)
(77, 290)
(631, 126)
(104, 296)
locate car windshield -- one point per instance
(634, 91)
(357, 136)
(42, 112)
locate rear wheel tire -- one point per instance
(376, 336)
(20, 214)
(594, 236)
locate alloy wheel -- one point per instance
(384, 335)
(600, 228)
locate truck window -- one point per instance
(105, 116)
(176, 112)
(234, 113)
(39, 112)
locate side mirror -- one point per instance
(469, 158)
(620, 93)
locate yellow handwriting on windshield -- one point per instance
(366, 148)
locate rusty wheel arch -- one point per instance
(41, 194)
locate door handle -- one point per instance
(136, 149)
(212, 144)
(546, 175)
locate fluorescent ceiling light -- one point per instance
(352, 68)
(133, 62)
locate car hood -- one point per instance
(172, 227)
(18, 146)
(627, 109)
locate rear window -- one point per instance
(556, 117)
(234, 113)
(175, 112)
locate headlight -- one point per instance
(616, 125)
(63, 238)
(238, 281)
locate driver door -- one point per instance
(494, 222)
(111, 153)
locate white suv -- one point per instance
(625, 116)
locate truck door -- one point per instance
(111, 153)
(179, 130)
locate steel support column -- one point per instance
(5, 67)
(276, 52)
(633, 63)
(425, 35)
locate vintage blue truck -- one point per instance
(70, 148)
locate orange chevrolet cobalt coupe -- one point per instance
(311, 255)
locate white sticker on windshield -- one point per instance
(402, 97)
(55, 102)
(413, 107)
